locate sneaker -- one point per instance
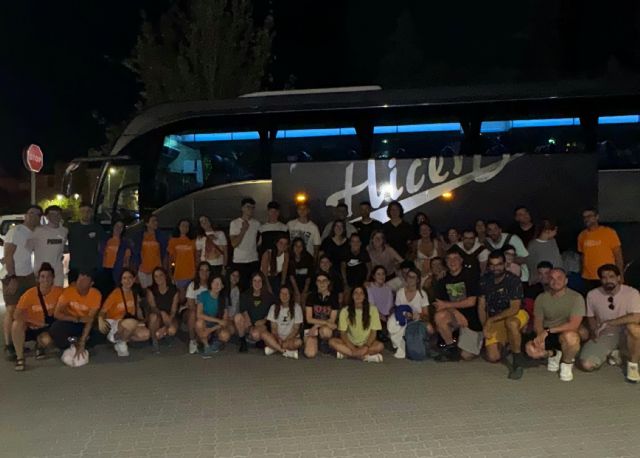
(614, 358)
(210, 348)
(553, 362)
(155, 347)
(377, 358)
(515, 367)
(448, 353)
(122, 349)
(339, 355)
(243, 345)
(293, 354)
(40, 353)
(400, 353)
(10, 353)
(566, 372)
(193, 347)
(633, 375)
(268, 351)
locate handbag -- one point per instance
(69, 357)
(470, 341)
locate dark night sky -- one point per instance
(60, 60)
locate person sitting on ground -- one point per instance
(120, 317)
(558, 314)
(199, 284)
(275, 264)
(285, 317)
(500, 312)
(34, 315)
(254, 308)
(162, 299)
(75, 313)
(613, 314)
(358, 325)
(212, 317)
(413, 296)
(321, 312)
(456, 306)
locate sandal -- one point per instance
(19, 365)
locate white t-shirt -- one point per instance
(215, 257)
(193, 293)
(19, 236)
(247, 251)
(521, 251)
(308, 232)
(284, 322)
(418, 302)
(483, 256)
(48, 246)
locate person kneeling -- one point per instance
(558, 314)
(212, 317)
(358, 324)
(120, 317)
(286, 318)
(34, 315)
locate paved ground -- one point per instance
(250, 405)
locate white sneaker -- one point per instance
(122, 349)
(400, 353)
(339, 355)
(293, 354)
(566, 372)
(193, 347)
(614, 358)
(553, 362)
(633, 375)
(269, 351)
(377, 358)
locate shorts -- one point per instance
(32, 334)
(552, 342)
(113, 329)
(183, 284)
(500, 335)
(596, 352)
(24, 283)
(145, 279)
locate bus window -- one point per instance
(416, 140)
(117, 178)
(316, 144)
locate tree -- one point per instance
(201, 50)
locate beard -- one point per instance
(609, 286)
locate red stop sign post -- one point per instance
(33, 159)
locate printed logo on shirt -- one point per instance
(354, 262)
(456, 291)
(592, 243)
(54, 241)
(92, 235)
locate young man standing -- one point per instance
(340, 213)
(272, 229)
(20, 277)
(243, 232)
(501, 315)
(48, 243)
(306, 229)
(613, 313)
(558, 314)
(598, 245)
(498, 240)
(84, 239)
(366, 225)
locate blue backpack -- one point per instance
(415, 337)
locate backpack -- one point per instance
(415, 336)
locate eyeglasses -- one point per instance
(611, 304)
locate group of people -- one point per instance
(347, 290)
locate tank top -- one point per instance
(164, 301)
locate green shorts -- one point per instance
(597, 352)
(24, 283)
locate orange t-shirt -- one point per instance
(114, 306)
(111, 253)
(597, 249)
(182, 251)
(80, 306)
(150, 253)
(30, 303)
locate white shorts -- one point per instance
(113, 328)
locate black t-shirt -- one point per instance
(337, 253)
(256, 306)
(456, 288)
(83, 245)
(398, 236)
(365, 230)
(337, 285)
(164, 301)
(302, 269)
(322, 306)
(357, 267)
(498, 296)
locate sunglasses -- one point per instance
(611, 304)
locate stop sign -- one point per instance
(33, 158)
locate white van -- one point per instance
(6, 223)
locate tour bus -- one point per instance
(457, 154)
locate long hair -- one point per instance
(375, 269)
(199, 229)
(366, 316)
(176, 230)
(292, 304)
(265, 285)
(196, 279)
(222, 299)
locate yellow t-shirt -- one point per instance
(357, 334)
